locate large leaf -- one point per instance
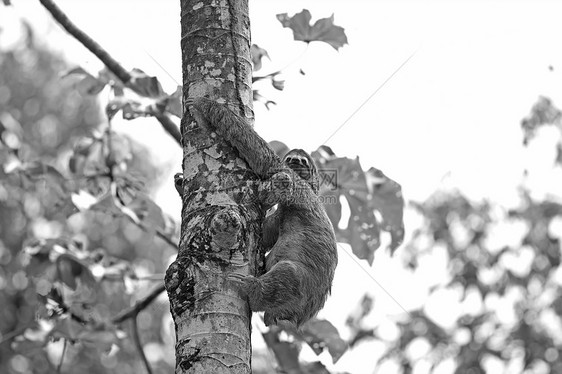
(320, 334)
(257, 54)
(148, 211)
(341, 176)
(145, 85)
(387, 199)
(70, 270)
(323, 30)
(286, 353)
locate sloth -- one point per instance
(302, 246)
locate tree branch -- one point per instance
(139, 305)
(169, 126)
(86, 41)
(115, 67)
(138, 344)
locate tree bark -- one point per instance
(220, 215)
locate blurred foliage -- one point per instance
(77, 230)
(501, 284)
(543, 113)
(510, 314)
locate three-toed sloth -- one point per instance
(301, 263)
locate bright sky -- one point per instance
(449, 117)
(453, 109)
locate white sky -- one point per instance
(454, 109)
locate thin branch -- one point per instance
(165, 238)
(86, 41)
(169, 126)
(136, 220)
(138, 344)
(139, 305)
(115, 67)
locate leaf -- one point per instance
(542, 113)
(88, 160)
(115, 105)
(131, 108)
(387, 199)
(148, 211)
(257, 54)
(278, 84)
(366, 193)
(334, 210)
(174, 103)
(70, 269)
(287, 353)
(80, 71)
(320, 334)
(105, 75)
(323, 30)
(341, 176)
(419, 324)
(145, 85)
(365, 306)
(67, 270)
(90, 84)
(363, 230)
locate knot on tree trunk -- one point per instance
(225, 229)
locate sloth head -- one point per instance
(302, 164)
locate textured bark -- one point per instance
(220, 214)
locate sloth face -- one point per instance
(302, 164)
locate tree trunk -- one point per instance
(220, 215)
